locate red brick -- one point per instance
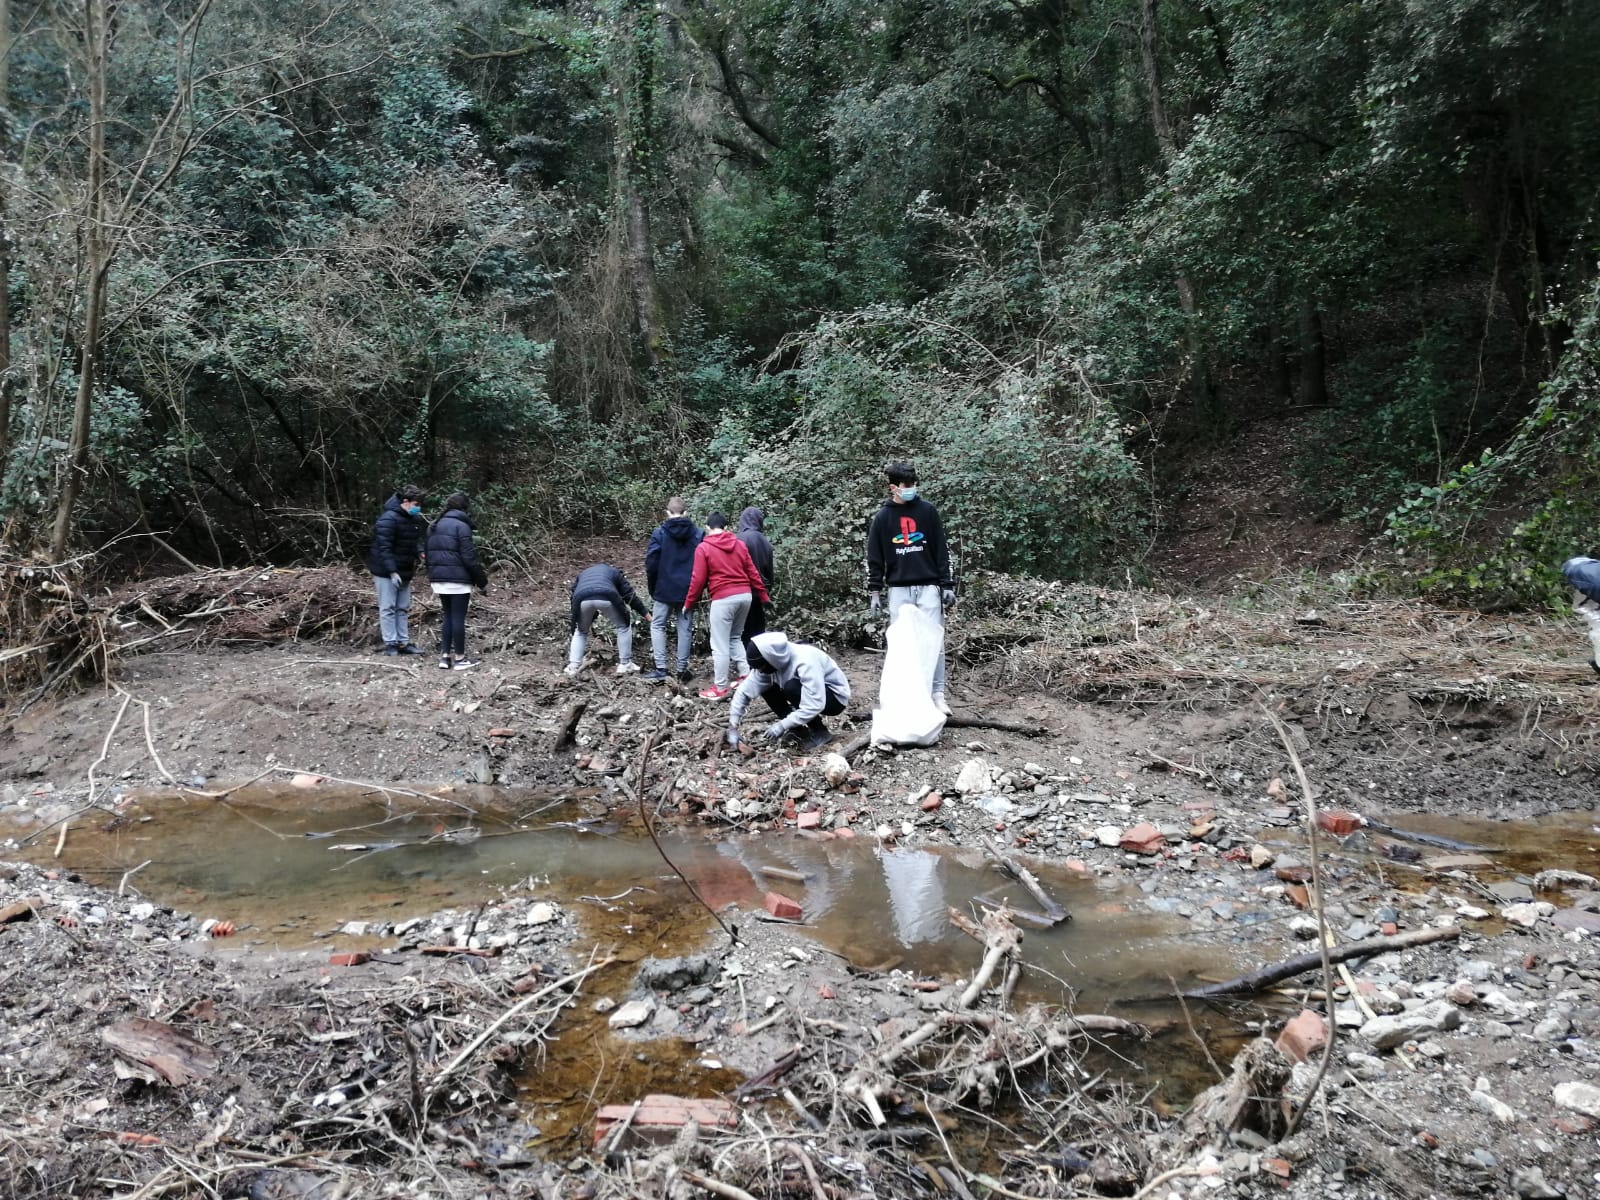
(1338, 822)
(1277, 1166)
(932, 802)
(1297, 895)
(844, 832)
(659, 1118)
(1293, 874)
(1388, 929)
(809, 820)
(1143, 838)
(782, 906)
(1574, 1124)
(353, 959)
(1076, 864)
(1304, 1036)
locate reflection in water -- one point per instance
(916, 897)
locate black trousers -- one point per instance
(453, 623)
(784, 700)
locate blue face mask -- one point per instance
(908, 492)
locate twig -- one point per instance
(105, 746)
(1165, 1177)
(130, 873)
(715, 1186)
(351, 662)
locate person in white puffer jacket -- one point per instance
(800, 684)
(1583, 573)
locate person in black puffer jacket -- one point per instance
(393, 561)
(603, 589)
(453, 571)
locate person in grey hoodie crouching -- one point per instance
(800, 684)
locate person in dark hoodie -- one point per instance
(668, 566)
(393, 561)
(722, 568)
(751, 531)
(906, 552)
(1583, 575)
(603, 589)
(453, 571)
(800, 684)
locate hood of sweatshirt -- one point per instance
(679, 529)
(775, 648)
(752, 518)
(720, 539)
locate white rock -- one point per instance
(604, 1005)
(1385, 1033)
(1581, 1097)
(733, 809)
(1109, 835)
(1499, 1110)
(354, 929)
(1304, 927)
(631, 1014)
(1527, 914)
(541, 913)
(142, 911)
(974, 777)
(835, 769)
(1034, 769)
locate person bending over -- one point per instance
(800, 684)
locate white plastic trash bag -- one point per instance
(906, 715)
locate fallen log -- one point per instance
(1022, 875)
(1265, 977)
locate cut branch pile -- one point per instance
(257, 604)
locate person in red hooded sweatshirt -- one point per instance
(723, 567)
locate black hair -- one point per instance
(715, 520)
(901, 473)
(410, 491)
(458, 500)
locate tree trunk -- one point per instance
(97, 251)
(635, 168)
(1313, 356)
(5, 239)
(1197, 368)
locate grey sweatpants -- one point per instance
(926, 597)
(588, 610)
(727, 636)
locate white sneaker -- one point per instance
(627, 668)
(938, 702)
(572, 668)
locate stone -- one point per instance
(1580, 1097)
(541, 913)
(1509, 891)
(1456, 862)
(1528, 915)
(674, 974)
(1530, 1184)
(1569, 920)
(1498, 1110)
(1143, 838)
(1261, 857)
(781, 906)
(1108, 835)
(974, 777)
(1385, 1033)
(1462, 994)
(1304, 927)
(1553, 1028)
(632, 1014)
(1304, 1036)
(1364, 1066)
(932, 802)
(1549, 881)
(835, 769)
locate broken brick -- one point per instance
(658, 1119)
(1574, 1124)
(809, 820)
(1297, 895)
(1277, 1166)
(1143, 838)
(1389, 928)
(353, 959)
(844, 832)
(1339, 822)
(1304, 1036)
(781, 906)
(932, 802)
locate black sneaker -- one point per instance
(391, 649)
(655, 676)
(411, 648)
(685, 675)
(812, 737)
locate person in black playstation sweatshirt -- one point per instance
(906, 552)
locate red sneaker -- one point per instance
(714, 693)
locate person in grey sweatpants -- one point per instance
(603, 589)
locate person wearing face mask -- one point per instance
(393, 561)
(907, 554)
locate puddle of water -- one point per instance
(1565, 841)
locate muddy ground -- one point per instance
(1137, 753)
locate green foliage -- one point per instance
(1496, 530)
(1027, 470)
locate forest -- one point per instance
(260, 262)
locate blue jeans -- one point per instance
(394, 607)
(659, 616)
